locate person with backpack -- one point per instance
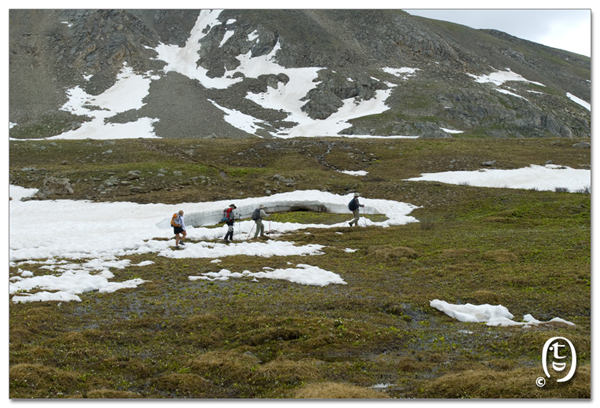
(354, 206)
(229, 219)
(258, 216)
(178, 225)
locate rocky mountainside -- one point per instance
(284, 73)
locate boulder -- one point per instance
(54, 186)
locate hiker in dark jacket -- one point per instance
(229, 218)
(260, 228)
(354, 206)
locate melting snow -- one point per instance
(90, 237)
(500, 77)
(126, 94)
(451, 131)
(303, 274)
(42, 231)
(354, 173)
(579, 101)
(401, 72)
(549, 178)
(491, 315)
(130, 89)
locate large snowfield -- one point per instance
(61, 233)
(83, 245)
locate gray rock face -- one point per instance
(55, 50)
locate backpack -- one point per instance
(227, 215)
(256, 214)
(174, 220)
(353, 205)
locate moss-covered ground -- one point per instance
(376, 336)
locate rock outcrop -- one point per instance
(354, 57)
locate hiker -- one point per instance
(179, 228)
(229, 219)
(354, 206)
(258, 216)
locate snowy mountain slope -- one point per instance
(283, 73)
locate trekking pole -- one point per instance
(250, 233)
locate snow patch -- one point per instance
(302, 274)
(497, 315)
(579, 101)
(500, 77)
(507, 92)
(403, 72)
(239, 120)
(266, 250)
(451, 131)
(126, 94)
(286, 98)
(548, 178)
(355, 173)
(41, 232)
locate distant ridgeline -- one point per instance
(284, 73)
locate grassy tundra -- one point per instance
(174, 338)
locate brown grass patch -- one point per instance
(386, 252)
(452, 253)
(224, 366)
(497, 219)
(41, 381)
(331, 390)
(501, 365)
(112, 394)
(270, 334)
(519, 383)
(38, 374)
(72, 338)
(287, 371)
(500, 255)
(207, 327)
(407, 364)
(126, 365)
(20, 335)
(480, 297)
(191, 385)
